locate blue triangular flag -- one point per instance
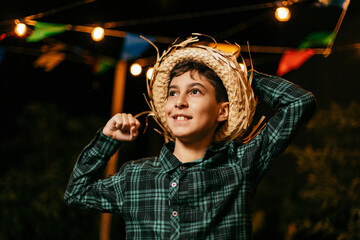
(339, 3)
(2, 53)
(134, 46)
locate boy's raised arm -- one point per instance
(86, 189)
(294, 107)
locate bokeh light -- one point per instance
(97, 34)
(149, 73)
(282, 14)
(135, 69)
(20, 29)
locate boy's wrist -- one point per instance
(105, 137)
(106, 144)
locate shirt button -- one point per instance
(182, 168)
(174, 184)
(175, 214)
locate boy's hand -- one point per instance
(122, 127)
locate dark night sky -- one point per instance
(71, 83)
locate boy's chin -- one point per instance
(189, 139)
(181, 135)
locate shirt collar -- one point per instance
(170, 162)
(167, 158)
(215, 148)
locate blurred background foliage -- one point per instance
(36, 162)
(312, 192)
(330, 195)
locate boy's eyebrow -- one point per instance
(196, 84)
(173, 86)
(190, 85)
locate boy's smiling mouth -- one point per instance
(181, 117)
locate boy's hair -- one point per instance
(204, 70)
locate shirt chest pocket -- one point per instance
(206, 190)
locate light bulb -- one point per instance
(282, 14)
(135, 69)
(149, 73)
(97, 34)
(20, 29)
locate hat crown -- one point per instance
(242, 102)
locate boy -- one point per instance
(202, 184)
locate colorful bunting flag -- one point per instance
(317, 39)
(2, 53)
(51, 58)
(2, 36)
(103, 64)
(134, 46)
(293, 59)
(43, 30)
(339, 3)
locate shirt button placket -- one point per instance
(174, 188)
(174, 196)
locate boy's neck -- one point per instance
(189, 152)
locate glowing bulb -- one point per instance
(135, 69)
(20, 29)
(149, 73)
(282, 14)
(97, 34)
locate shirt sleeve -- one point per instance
(86, 189)
(294, 107)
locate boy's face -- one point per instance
(192, 112)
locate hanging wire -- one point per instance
(191, 15)
(59, 9)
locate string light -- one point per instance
(135, 69)
(20, 29)
(149, 73)
(97, 34)
(282, 14)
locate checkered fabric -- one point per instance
(210, 198)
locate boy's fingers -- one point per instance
(138, 125)
(131, 120)
(125, 122)
(133, 131)
(123, 127)
(118, 121)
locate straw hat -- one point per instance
(242, 102)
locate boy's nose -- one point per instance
(181, 102)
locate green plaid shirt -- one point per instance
(210, 198)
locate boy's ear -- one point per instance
(223, 111)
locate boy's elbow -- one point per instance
(68, 199)
(309, 105)
(310, 101)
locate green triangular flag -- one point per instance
(317, 39)
(43, 30)
(103, 64)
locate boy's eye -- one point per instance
(172, 93)
(195, 91)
